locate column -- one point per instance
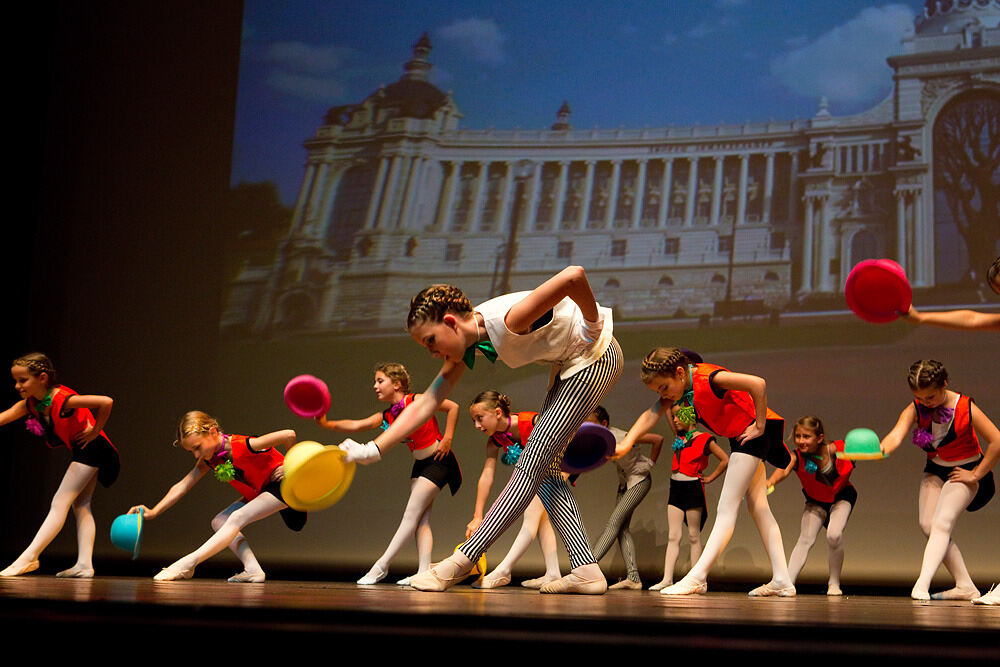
(640, 195)
(792, 178)
(560, 194)
(412, 191)
(390, 192)
(300, 203)
(588, 192)
(613, 182)
(448, 197)
(768, 188)
(716, 192)
(692, 192)
(741, 196)
(901, 254)
(825, 245)
(477, 196)
(668, 176)
(503, 212)
(536, 187)
(807, 248)
(376, 198)
(329, 197)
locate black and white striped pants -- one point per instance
(567, 404)
(617, 528)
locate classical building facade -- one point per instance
(669, 222)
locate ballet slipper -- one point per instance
(626, 585)
(245, 577)
(686, 587)
(538, 582)
(15, 570)
(573, 583)
(442, 576)
(660, 585)
(957, 594)
(77, 572)
(919, 594)
(833, 590)
(770, 590)
(174, 574)
(494, 580)
(991, 598)
(374, 575)
(405, 581)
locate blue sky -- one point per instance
(511, 64)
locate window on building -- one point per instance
(725, 243)
(564, 250)
(671, 246)
(453, 252)
(619, 247)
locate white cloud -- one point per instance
(306, 86)
(480, 39)
(307, 58)
(847, 64)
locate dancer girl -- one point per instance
(686, 503)
(733, 405)
(434, 465)
(957, 476)
(508, 432)
(557, 323)
(65, 419)
(251, 465)
(634, 482)
(830, 497)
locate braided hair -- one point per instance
(432, 303)
(493, 399)
(37, 363)
(396, 373)
(927, 373)
(662, 361)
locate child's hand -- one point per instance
(86, 436)
(361, 453)
(146, 512)
(962, 475)
(277, 474)
(472, 526)
(322, 421)
(752, 432)
(444, 447)
(620, 451)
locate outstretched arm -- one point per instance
(780, 474)
(956, 319)
(351, 425)
(176, 492)
(14, 412)
(410, 419)
(483, 488)
(643, 425)
(895, 437)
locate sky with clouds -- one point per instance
(642, 63)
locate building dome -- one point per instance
(952, 16)
(413, 96)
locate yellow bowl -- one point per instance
(480, 566)
(316, 476)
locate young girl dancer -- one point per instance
(686, 503)
(557, 323)
(65, 419)
(733, 405)
(250, 465)
(508, 432)
(830, 497)
(434, 465)
(634, 482)
(957, 475)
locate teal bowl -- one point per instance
(126, 533)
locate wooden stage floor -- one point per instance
(311, 614)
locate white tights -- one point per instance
(415, 523)
(812, 520)
(536, 522)
(75, 491)
(939, 505)
(744, 477)
(675, 529)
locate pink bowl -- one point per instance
(877, 290)
(307, 396)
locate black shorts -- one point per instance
(294, 519)
(848, 493)
(445, 471)
(769, 446)
(689, 494)
(101, 454)
(987, 485)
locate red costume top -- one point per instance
(960, 442)
(423, 437)
(693, 459)
(816, 488)
(253, 468)
(62, 424)
(525, 424)
(727, 416)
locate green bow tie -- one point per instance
(486, 347)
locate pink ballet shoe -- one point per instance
(957, 594)
(173, 574)
(492, 581)
(245, 577)
(538, 582)
(685, 587)
(12, 571)
(770, 590)
(573, 583)
(626, 585)
(430, 580)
